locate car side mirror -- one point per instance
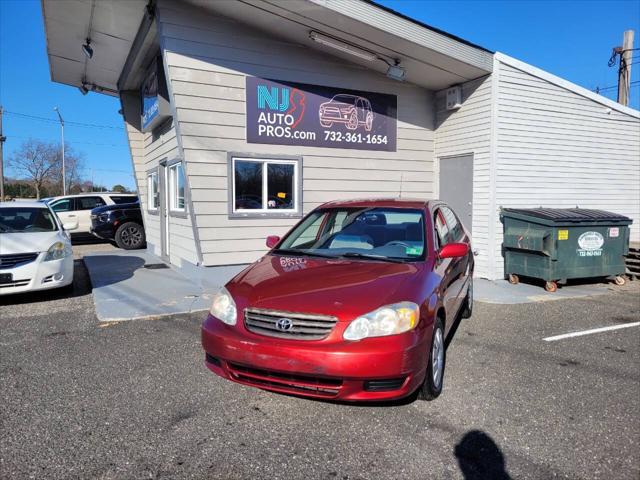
(454, 250)
(272, 241)
(71, 225)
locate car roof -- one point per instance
(92, 194)
(27, 204)
(379, 202)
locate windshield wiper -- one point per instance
(371, 257)
(293, 251)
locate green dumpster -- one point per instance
(555, 245)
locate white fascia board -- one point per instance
(385, 21)
(566, 84)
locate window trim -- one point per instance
(295, 160)
(150, 174)
(78, 202)
(172, 188)
(72, 202)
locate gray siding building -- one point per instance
(475, 128)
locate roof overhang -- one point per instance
(111, 25)
(432, 58)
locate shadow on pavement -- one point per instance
(81, 286)
(113, 269)
(86, 239)
(480, 458)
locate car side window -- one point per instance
(442, 230)
(89, 203)
(455, 228)
(310, 235)
(63, 205)
(124, 199)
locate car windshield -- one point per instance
(26, 219)
(344, 99)
(388, 234)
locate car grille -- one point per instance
(301, 384)
(16, 259)
(15, 283)
(295, 326)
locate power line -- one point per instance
(600, 89)
(51, 120)
(119, 145)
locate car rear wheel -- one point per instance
(130, 236)
(432, 386)
(369, 122)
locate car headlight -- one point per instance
(58, 251)
(103, 217)
(387, 320)
(224, 308)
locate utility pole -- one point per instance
(624, 72)
(2, 139)
(64, 181)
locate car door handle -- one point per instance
(72, 216)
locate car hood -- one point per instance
(27, 242)
(336, 104)
(343, 288)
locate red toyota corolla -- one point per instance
(354, 303)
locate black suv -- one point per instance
(119, 223)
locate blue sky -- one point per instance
(572, 39)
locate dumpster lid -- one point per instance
(569, 214)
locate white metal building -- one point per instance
(202, 86)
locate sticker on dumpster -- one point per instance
(563, 234)
(614, 232)
(590, 244)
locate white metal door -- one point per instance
(456, 186)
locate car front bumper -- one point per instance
(373, 369)
(39, 275)
(104, 231)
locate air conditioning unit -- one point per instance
(454, 97)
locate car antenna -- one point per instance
(401, 178)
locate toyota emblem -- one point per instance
(284, 324)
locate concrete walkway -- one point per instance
(502, 292)
(127, 285)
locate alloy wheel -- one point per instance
(437, 357)
(131, 236)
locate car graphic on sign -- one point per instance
(351, 110)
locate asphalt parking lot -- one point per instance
(80, 399)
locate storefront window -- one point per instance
(176, 181)
(152, 191)
(248, 185)
(264, 186)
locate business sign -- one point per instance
(153, 94)
(590, 244)
(287, 113)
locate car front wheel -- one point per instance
(432, 385)
(130, 236)
(467, 307)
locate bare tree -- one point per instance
(35, 161)
(74, 169)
